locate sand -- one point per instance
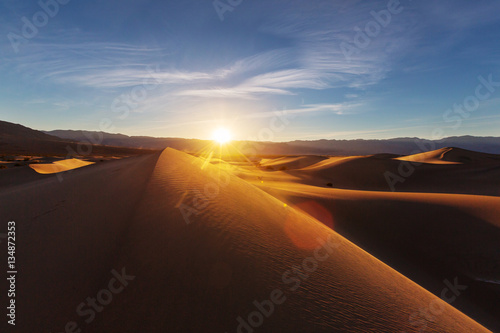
(429, 237)
(59, 166)
(294, 162)
(451, 155)
(203, 246)
(481, 176)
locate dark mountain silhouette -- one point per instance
(16, 139)
(398, 146)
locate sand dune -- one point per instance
(202, 256)
(59, 166)
(428, 237)
(297, 162)
(451, 156)
(371, 173)
(432, 157)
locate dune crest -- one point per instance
(297, 162)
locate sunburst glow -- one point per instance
(221, 135)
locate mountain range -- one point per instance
(399, 146)
(15, 138)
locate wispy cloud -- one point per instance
(236, 92)
(289, 79)
(278, 83)
(338, 109)
(122, 78)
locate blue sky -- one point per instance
(175, 69)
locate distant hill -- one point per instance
(121, 140)
(10, 131)
(399, 146)
(16, 139)
(402, 146)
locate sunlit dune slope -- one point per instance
(203, 247)
(59, 166)
(451, 156)
(297, 162)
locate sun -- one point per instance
(221, 135)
